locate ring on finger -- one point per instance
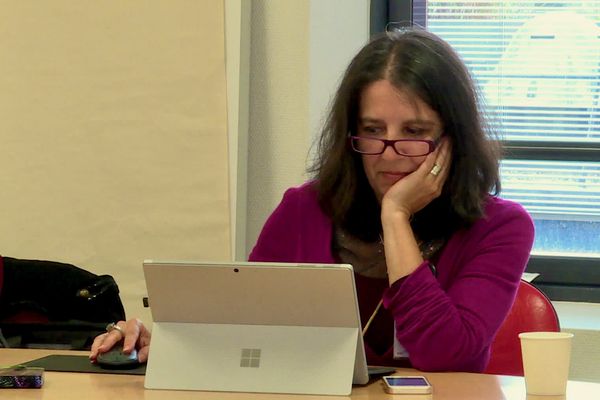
(114, 327)
(435, 171)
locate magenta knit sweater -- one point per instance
(446, 323)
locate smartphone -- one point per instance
(396, 384)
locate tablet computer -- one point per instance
(254, 327)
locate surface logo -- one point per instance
(250, 358)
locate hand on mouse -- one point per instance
(115, 358)
(137, 337)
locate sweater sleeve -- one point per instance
(451, 328)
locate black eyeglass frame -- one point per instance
(392, 143)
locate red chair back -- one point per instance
(532, 311)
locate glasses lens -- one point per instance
(412, 147)
(367, 145)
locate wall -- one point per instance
(278, 124)
(299, 49)
(237, 46)
(583, 320)
(114, 141)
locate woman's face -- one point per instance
(386, 112)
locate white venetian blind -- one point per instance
(537, 65)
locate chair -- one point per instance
(531, 311)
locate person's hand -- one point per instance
(415, 191)
(136, 336)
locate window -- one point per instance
(537, 65)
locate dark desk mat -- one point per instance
(64, 363)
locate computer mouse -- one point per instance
(116, 359)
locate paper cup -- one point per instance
(546, 359)
(545, 397)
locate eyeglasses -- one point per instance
(402, 147)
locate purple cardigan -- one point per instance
(446, 323)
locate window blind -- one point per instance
(556, 189)
(537, 65)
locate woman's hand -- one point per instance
(136, 337)
(401, 201)
(415, 191)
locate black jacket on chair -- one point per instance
(48, 304)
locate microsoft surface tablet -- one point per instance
(254, 327)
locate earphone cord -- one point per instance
(372, 317)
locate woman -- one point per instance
(401, 192)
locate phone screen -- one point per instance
(406, 381)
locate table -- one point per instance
(446, 386)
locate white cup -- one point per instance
(546, 359)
